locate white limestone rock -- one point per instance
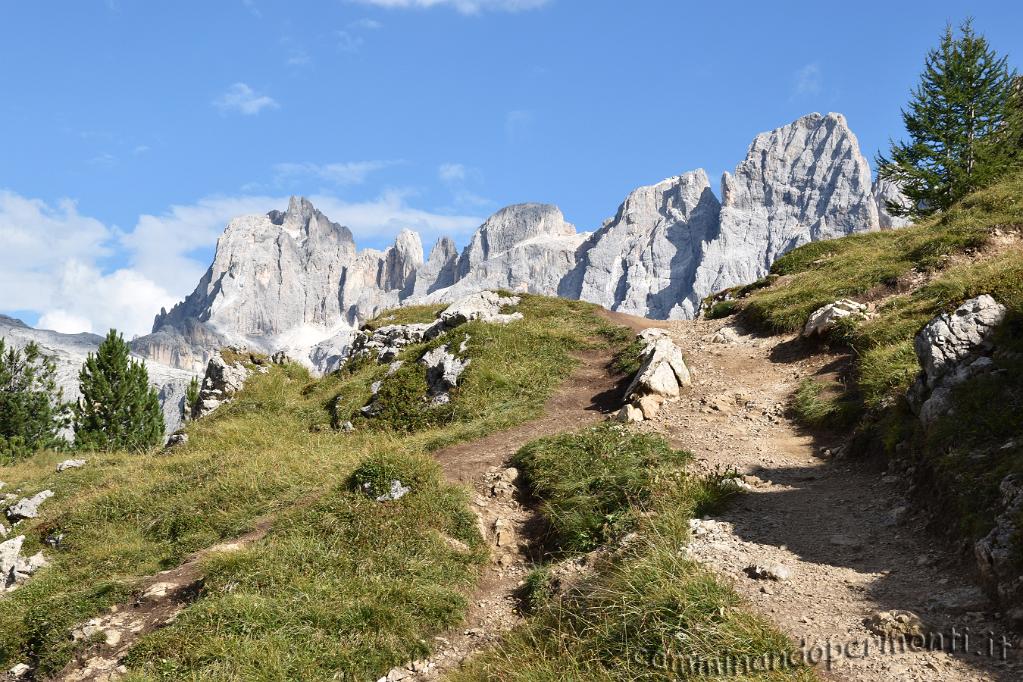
(70, 464)
(644, 260)
(485, 306)
(803, 182)
(950, 338)
(826, 318)
(27, 507)
(886, 192)
(663, 372)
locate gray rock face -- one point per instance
(949, 339)
(69, 352)
(885, 192)
(294, 280)
(803, 182)
(14, 568)
(644, 261)
(995, 552)
(953, 348)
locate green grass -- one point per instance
(126, 516)
(411, 314)
(645, 602)
(825, 404)
(593, 483)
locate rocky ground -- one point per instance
(826, 547)
(839, 532)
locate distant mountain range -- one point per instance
(295, 280)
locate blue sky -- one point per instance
(131, 131)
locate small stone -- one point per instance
(630, 413)
(28, 507)
(775, 572)
(19, 671)
(895, 623)
(70, 464)
(504, 533)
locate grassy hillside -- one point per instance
(321, 592)
(912, 275)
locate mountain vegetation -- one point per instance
(32, 408)
(963, 123)
(118, 409)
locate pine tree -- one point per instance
(32, 407)
(957, 112)
(191, 398)
(118, 408)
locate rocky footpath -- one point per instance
(827, 547)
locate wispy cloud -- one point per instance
(451, 172)
(347, 173)
(365, 25)
(807, 80)
(242, 99)
(348, 41)
(463, 6)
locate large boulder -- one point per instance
(952, 349)
(951, 338)
(662, 376)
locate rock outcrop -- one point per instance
(15, 568)
(294, 280)
(886, 192)
(661, 376)
(803, 182)
(996, 552)
(953, 348)
(644, 261)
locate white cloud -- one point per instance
(382, 218)
(808, 80)
(451, 172)
(348, 173)
(64, 322)
(56, 262)
(463, 6)
(240, 98)
(348, 42)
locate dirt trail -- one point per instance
(843, 528)
(588, 396)
(160, 599)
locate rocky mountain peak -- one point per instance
(509, 227)
(293, 279)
